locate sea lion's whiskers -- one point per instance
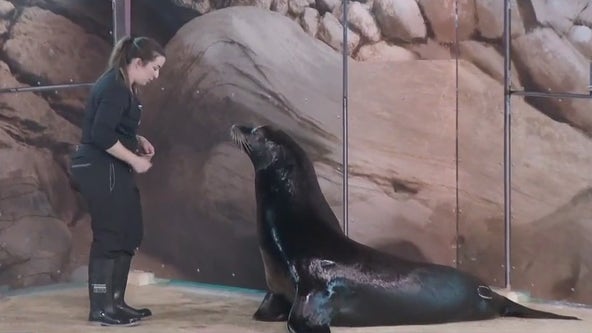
(247, 147)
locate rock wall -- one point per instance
(287, 71)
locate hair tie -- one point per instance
(129, 40)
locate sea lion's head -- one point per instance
(267, 147)
(283, 167)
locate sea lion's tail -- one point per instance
(512, 309)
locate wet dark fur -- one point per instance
(317, 277)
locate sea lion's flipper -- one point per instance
(512, 309)
(274, 307)
(311, 312)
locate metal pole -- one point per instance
(590, 80)
(344, 123)
(121, 19)
(507, 143)
(42, 88)
(457, 202)
(550, 95)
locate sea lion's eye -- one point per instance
(256, 130)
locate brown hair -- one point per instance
(128, 48)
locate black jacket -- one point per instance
(112, 113)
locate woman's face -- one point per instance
(143, 73)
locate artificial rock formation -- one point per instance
(280, 62)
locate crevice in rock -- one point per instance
(578, 20)
(399, 186)
(11, 20)
(25, 124)
(5, 267)
(496, 42)
(402, 186)
(21, 74)
(89, 25)
(526, 10)
(15, 15)
(72, 114)
(219, 4)
(429, 29)
(41, 141)
(160, 19)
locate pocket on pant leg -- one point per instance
(78, 168)
(136, 226)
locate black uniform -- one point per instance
(107, 183)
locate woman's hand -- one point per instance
(146, 148)
(141, 164)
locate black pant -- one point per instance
(110, 191)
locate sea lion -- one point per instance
(317, 277)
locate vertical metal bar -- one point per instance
(457, 202)
(121, 19)
(344, 122)
(590, 80)
(128, 17)
(507, 144)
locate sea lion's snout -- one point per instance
(239, 130)
(239, 133)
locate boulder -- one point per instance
(490, 19)
(553, 64)
(400, 19)
(36, 200)
(70, 55)
(442, 14)
(558, 14)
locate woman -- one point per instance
(103, 169)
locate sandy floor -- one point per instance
(201, 309)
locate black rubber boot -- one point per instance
(100, 290)
(122, 267)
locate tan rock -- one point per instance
(441, 15)
(490, 18)
(6, 8)
(382, 51)
(432, 50)
(34, 242)
(581, 37)
(297, 7)
(585, 17)
(331, 32)
(202, 6)
(489, 60)
(280, 6)
(328, 5)
(558, 14)
(74, 55)
(70, 55)
(400, 19)
(310, 21)
(555, 65)
(360, 20)
(33, 117)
